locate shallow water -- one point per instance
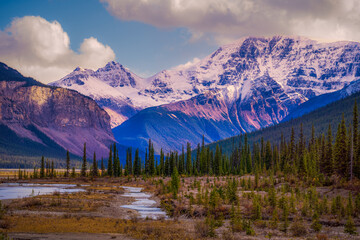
(20, 190)
(143, 205)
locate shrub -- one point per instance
(298, 228)
(350, 226)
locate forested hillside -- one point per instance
(320, 118)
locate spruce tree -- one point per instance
(67, 173)
(110, 163)
(354, 165)
(161, 172)
(95, 170)
(341, 153)
(137, 163)
(42, 168)
(175, 182)
(217, 165)
(52, 173)
(328, 162)
(188, 158)
(83, 166)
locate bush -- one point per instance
(298, 228)
(350, 226)
(202, 229)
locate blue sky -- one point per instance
(47, 39)
(143, 48)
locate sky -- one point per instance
(47, 39)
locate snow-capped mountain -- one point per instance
(298, 67)
(260, 81)
(257, 83)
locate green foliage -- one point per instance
(257, 209)
(83, 166)
(350, 226)
(272, 196)
(235, 219)
(316, 225)
(298, 228)
(175, 182)
(231, 191)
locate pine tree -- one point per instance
(350, 226)
(341, 153)
(67, 174)
(83, 166)
(354, 165)
(217, 162)
(175, 182)
(110, 163)
(52, 173)
(268, 155)
(115, 162)
(137, 163)
(292, 150)
(151, 158)
(42, 169)
(328, 162)
(95, 170)
(162, 167)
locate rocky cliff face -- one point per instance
(297, 69)
(258, 82)
(65, 116)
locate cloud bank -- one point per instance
(226, 20)
(41, 49)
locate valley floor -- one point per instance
(196, 212)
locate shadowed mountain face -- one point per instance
(46, 115)
(242, 87)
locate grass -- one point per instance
(136, 229)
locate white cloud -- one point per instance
(41, 49)
(227, 20)
(187, 65)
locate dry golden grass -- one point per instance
(136, 229)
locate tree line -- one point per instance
(326, 154)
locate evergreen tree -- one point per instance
(115, 162)
(217, 162)
(151, 158)
(340, 154)
(137, 163)
(328, 162)
(162, 167)
(67, 173)
(175, 182)
(42, 168)
(354, 165)
(110, 164)
(83, 166)
(52, 173)
(95, 171)
(268, 155)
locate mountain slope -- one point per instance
(300, 68)
(42, 118)
(323, 100)
(258, 82)
(320, 118)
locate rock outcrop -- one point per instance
(65, 116)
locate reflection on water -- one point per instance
(20, 190)
(143, 204)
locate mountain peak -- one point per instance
(79, 69)
(113, 65)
